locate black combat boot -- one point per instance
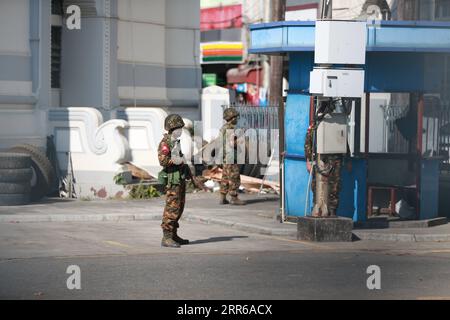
(177, 239)
(223, 199)
(236, 201)
(167, 240)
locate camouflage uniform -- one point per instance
(171, 159)
(231, 178)
(332, 161)
(175, 193)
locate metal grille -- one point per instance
(444, 133)
(263, 120)
(394, 140)
(256, 117)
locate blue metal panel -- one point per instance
(429, 189)
(394, 72)
(408, 37)
(300, 37)
(295, 186)
(403, 72)
(352, 198)
(296, 123)
(394, 36)
(266, 38)
(295, 174)
(300, 65)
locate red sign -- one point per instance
(224, 17)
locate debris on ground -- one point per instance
(139, 173)
(250, 184)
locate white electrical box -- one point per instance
(346, 83)
(332, 134)
(340, 42)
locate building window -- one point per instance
(57, 7)
(57, 12)
(442, 10)
(56, 57)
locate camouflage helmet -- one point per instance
(173, 121)
(230, 113)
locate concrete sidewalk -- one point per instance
(258, 216)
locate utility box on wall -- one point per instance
(340, 42)
(332, 134)
(347, 83)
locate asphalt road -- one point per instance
(123, 260)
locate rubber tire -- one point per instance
(42, 167)
(14, 187)
(14, 199)
(16, 175)
(10, 160)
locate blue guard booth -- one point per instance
(401, 57)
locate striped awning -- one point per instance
(222, 52)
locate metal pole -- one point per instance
(326, 9)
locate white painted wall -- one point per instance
(163, 35)
(20, 119)
(98, 149)
(14, 27)
(301, 15)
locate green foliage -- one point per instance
(142, 191)
(119, 179)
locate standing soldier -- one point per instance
(174, 175)
(231, 178)
(326, 166)
(329, 167)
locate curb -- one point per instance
(79, 217)
(246, 227)
(402, 237)
(250, 228)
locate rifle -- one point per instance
(189, 175)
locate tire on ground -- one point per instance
(42, 168)
(14, 199)
(16, 175)
(10, 160)
(14, 187)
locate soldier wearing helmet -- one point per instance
(329, 166)
(173, 175)
(231, 179)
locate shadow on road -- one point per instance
(216, 239)
(257, 200)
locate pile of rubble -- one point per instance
(212, 177)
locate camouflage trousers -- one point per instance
(334, 181)
(231, 179)
(175, 200)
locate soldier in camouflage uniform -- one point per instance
(330, 169)
(171, 159)
(231, 178)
